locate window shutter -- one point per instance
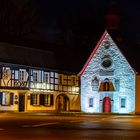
(51, 99)
(11, 98)
(0, 97)
(31, 99)
(41, 99)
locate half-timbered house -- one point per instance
(33, 88)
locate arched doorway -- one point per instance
(106, 104)
(62, 103)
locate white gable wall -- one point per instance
(120, 70)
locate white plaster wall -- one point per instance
(122, 71)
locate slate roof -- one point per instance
(14, 54)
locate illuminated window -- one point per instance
(60, 79)
(35, 76)
(123, 102)
(6, 98)
(34, 99)
(90, 102)
(48, 99)
(22, 75)
(52, 74)
(46, 77)
(73, 80)
(106, 86)
(41, 99)
(6, 73)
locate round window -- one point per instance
(106, 63)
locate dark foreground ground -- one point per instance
(44, 126)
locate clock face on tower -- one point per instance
(106, 63)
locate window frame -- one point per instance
(60, 80)
(95, 84)
(46, 78)
(123, 105)
(6, 73)
(35, 77)
(73, 79)
(35, 99)
(90, 102)
(47, 101)
(22, 73)
(107, 63)
(6, 98)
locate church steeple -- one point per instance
(112, 17)
(113, 21)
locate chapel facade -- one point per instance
(108, 81)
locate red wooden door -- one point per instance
(106, 104)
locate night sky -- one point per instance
(53, 16)
(83, 23)
(54, 11)
(74, 26)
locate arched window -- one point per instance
(106, 85)
(95, 84)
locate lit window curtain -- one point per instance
(47, 99)
(5, 100)
(35, 102)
